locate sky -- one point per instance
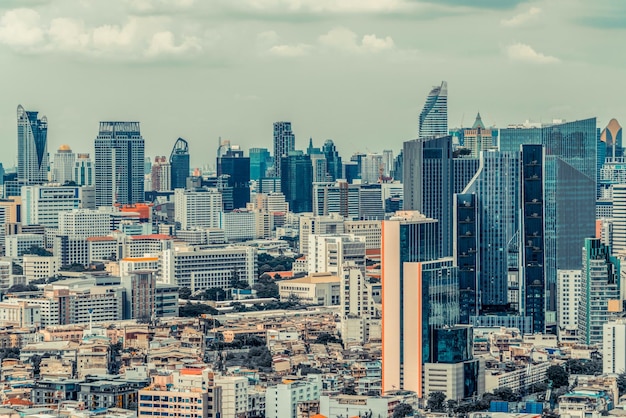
(356, 71)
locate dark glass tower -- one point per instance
(32, 147)
(284, 143)
(258, 163)
(296, 181)
(119, 164)
(333, 160)
(179, 163)
(234, 169)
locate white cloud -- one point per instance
(346, 40)
(523, 52)
(21, 28)
(290, 50)
(323, 6)
(164, 43)
(522, 18)
(68, 34)
(107, 36)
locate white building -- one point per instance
(614, 347)
(39, 267)
(63, 164)
(316, 289)
(198, 208)
(20, 314)
(318, 225)
(234, 395)
(517, 380)
(372, 168)
(357, 306)
(6, 267)
(371, 230)
(568, 289)
(329, 253)
(71, 250)
(18, 244)
(281, 401)
(357, 406)
(201, 268)
(84, 223)
(271, 202)
(238, 225)
(449, 378)
(41, 204)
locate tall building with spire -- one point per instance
(478, 138)
(32, 146)
(119, 164)
(433, 119)
(284, 143)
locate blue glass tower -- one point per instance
(296, 181)
(179, 162)
(258, 163)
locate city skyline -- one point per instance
(278, 67)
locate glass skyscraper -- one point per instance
(119, 164)
(32, 146)
(258, 163)
(179, 164)
(333, 160)
(296, 181)
(284, 143)
(433, 119)
(235, 169)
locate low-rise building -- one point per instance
(316, 289)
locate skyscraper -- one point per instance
(258, 163)
(83, 171)
(235, 170)
(333, 160)
(433, 119)
(296, 181)
(284, 142)
(611, 137)
(32, 146)
(64, 164)
(179, 162)
(119, 164)
(429, 182)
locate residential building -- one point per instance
(234, 395)
(141, 292)
(569, 288)
(318, 225)
(281, 401)
(161, 174)
(329, 253)
(372, 168)
(358, 405)
(614, 347)
(119, 164)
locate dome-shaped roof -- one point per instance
(65, 147)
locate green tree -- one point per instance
(17, 288)
(584, 366)
(402, 410)
(558, 376)
(9, 353)
(37, 250)
(621, 383)
(184, 292)
(325, 338)
(505, 394)
(16, 269)
(190, 310)
(436, 401)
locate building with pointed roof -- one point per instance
(32, 146)
(478, 138)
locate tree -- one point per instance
(436, 401)
(584, 366)
(325, 338)
(184, 292)
(403, 410)
(558, 376)
(16, 269)
(9, 353)
(505, 394)
(196, 309)
(621, 383)
(259, 357)
(17, 288)
(37, 250)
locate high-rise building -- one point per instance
(338, 197)
(330, 253)
(179, 162)
(429, 182)
(296, 181)
(600, 291)
(119, 164)
(284, 143)
(140, 295)
(611, 138)
(433, 119)
(570, 169)
(161, 175)
(234, 168)
(64, 164)
(614, 347)
(41, 204)
(259, 158)
(83, 171)
(197, 208)
(372, 168)
(333, 160)
(477, 138)
(32, 146)
(619, 220)
(568, 288)
(420, 295)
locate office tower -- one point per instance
(611, 137)
(32, 146)
(269, 185)
(161, 175)
(284, 143)
(234, 168)
(569, 182)
(41, 204)
(464, 171)
(429, 181)
(600, 291)
(179, 162)
(259, 158)
(532, 234)
(84, 223)
(371, 168)
(147, 165)
(83, 171)
(614, 347)
(64, 164)
(333, 160)
(420, 295)
(338, 197)
(433, 119)
(486, 226)
(371, 205)
(351, 171)
(398, 166)
(318, 165)
(119, 164)
(477, 138)
(387, 162)
(296, 181)
(198, 208)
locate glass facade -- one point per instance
(333, 160)
(433, 120)
(258, 163)
(453, 344)
(466, 254)
(179, 162)
(284, 143)
(234, 168)
(296, 181)
(32, 146)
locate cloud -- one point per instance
(164, 43)
(323, 6)
(523, 52)
(346, 40)
(290, 50)
(21, 28)
(521, 18)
